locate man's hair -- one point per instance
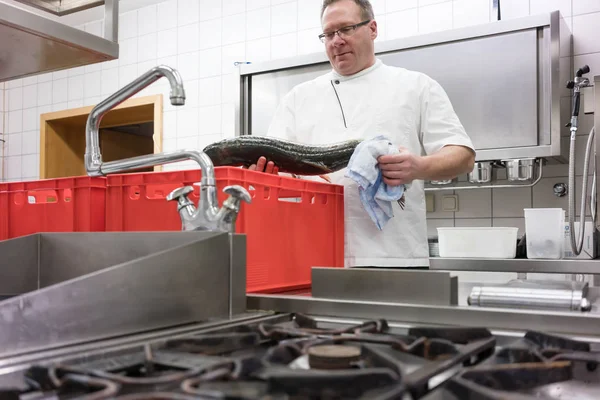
(366, 9)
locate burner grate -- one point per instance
(538, 366)
(293, 359)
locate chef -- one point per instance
(360, 98)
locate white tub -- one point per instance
(497, 242)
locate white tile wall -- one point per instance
(474, 204)
(473, 222)
(202, 39)
(435, 17)
(468, 12)
(585, 6)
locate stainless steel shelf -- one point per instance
(31, 44)
(567, 266)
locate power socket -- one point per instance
(450, 202)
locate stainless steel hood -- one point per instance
(62, 7)
(32, 44)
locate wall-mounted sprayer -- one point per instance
(579, 82)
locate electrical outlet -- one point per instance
(430, 202)
(450, 202)
(588, 99)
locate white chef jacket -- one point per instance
(408, 107)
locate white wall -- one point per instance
(202, 39)
(504, 207)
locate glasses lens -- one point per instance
(348, 31)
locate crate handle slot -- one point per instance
(160, 191)
(290, 196)
(41, 197)
(134, 192)
(318, 198)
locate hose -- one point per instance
(577, 244)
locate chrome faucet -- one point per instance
(208, 215)
(193, 219)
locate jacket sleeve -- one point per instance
(440, 126)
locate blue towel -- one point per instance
(375, 195)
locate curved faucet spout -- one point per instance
(208, 213)
(93, 157)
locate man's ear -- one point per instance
(373, 29)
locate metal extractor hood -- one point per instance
(62, 7)
(31, 44)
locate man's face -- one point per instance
(351, 53)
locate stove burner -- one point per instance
(536, 366)
(88, 387)
(333, 356)
(294, 359)
(214, 344)
(306, 328)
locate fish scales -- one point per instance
(289, 157)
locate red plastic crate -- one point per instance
(290, 226)
(52, 205)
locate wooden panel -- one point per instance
(144, 114)
(158, 130)
(63, 150)
(118, 145)
(124, 116)
(62, 136)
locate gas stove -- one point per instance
(293, 356)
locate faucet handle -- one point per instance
(237, 193)
(181, 192)
(231, 206)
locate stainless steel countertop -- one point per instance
(584, 325)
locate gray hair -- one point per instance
(366, 9)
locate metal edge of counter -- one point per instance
(564, 266)
(567, 323)
(13, 362)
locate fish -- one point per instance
(288, 156)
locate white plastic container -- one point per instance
(544, 229)
(475, 242)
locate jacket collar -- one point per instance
(337, 76)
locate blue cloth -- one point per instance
(375, 195)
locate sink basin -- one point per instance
(67, 288)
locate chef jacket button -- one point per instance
(337, 82)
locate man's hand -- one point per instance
(399, 169)
(270, 168)
(405, 167)
(263, 166)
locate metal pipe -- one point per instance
(93, 157)
(577, 244)
(529, 297)
(576, 84)
(491, 186)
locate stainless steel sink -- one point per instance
(67, 288)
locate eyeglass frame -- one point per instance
(337, 32)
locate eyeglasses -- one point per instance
(343, 33)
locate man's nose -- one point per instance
(337, 40)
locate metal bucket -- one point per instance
(482, 172)
(521, 169)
